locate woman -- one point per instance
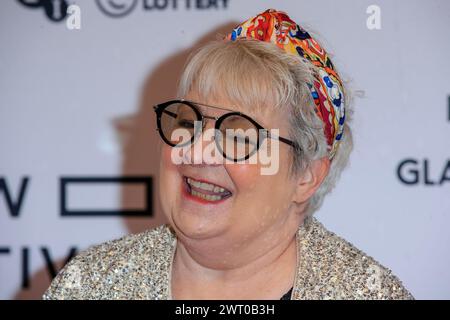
(235, 231)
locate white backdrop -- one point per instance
(77, 103)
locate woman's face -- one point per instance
(256, 203)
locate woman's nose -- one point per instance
(203, 151)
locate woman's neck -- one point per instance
(261, 276)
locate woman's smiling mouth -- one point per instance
(205, 192)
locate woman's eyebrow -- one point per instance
(205, 105)
(205, 109)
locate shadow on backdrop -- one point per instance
(141, 147)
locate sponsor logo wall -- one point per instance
(79, 151)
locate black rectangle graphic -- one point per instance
(448, 107)
(65, 182)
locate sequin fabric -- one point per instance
(139, 267)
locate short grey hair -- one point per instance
(255, 74)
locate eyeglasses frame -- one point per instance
(159, 109)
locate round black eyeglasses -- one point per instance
(237, 136)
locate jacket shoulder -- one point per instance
(338, 270)
(129, 267)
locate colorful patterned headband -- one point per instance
(327, 90)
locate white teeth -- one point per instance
(205, 186)
(205, 196)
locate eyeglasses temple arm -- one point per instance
(287, 141)
(173, 115)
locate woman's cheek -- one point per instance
(168, 177)
(166, 153)
(253, 191)
(244, 176)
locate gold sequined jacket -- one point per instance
(139, 267)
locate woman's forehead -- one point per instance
(222, 104)
(268, 115)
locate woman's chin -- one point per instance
(196, 226)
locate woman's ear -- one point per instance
(311, 179)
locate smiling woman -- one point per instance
(233, 232)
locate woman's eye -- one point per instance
(186, 124)
(242, 139)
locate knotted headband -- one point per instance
(327, 90)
